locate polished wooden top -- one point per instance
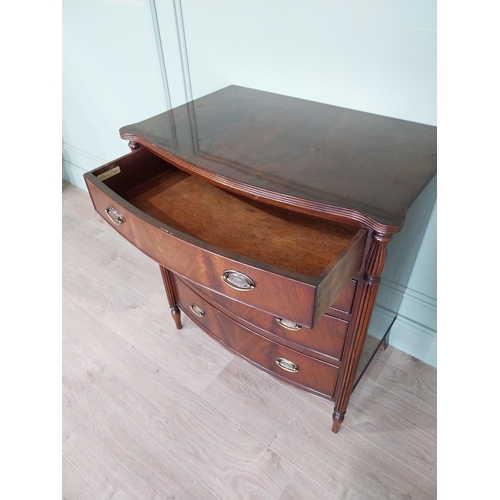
(315, 158)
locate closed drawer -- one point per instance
(327, 337)
(288, 364)
(276, 260)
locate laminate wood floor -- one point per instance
(151, 412)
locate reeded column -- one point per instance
(375, 262)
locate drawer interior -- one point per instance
(289, 240)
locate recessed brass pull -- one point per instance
(287, 365)
(114, 216)
(289, 325)
(237, 280)
(197, 310)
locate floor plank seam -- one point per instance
(289, 389)
(102, 270)
(395, 458)
(347, 426)
(147, 434)
(399, 395)
(135, 347)
(117, 240)
(268, 445)
(307, 475)
(81, 475)
(94, 220)
(118, 333)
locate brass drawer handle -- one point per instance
(289, 325)
(287, 365)
(114, 216)
(197, 310)
(237, 280)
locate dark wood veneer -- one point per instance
(326, 340)
(163, 218)
(303, 198)
(304, 155)
(313, 374)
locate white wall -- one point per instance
(375, 56)
(111, 77)
(126, 60)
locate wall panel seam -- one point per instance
(75, 149)
(411, 294)
(420, 326)
(181, 37)
(161, 58)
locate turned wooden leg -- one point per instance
(338, 418)
(172, 301)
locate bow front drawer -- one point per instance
(326, 338)
(293, 366)
(286, 263)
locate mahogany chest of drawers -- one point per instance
(271, 219)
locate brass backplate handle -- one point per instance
(197, 310)
(287, 365)
(289, 325)
(237, 280)
(114, 216)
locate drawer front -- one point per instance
(271, 291)
(327, 337)
(288, 364)
(298, 297)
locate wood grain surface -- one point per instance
(327, 338)
(299, 153)
(246, 227)
(299, 297)
(151, 412)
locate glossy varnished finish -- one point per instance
(299, 201)
(312, 374)
(325, 340)
(343, 303)
(310, 156)
(200, 234)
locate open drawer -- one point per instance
(283, 262)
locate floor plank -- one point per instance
(406, 431)
(153, 412)
(410, 379)
(222, 456)
(105, 250)
(188, 353)
(79, 202)
(74, 486)
(301, 487)
(346, 464)
(118, 459)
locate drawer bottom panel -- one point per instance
(302, 370)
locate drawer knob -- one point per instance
(238, 281)
(289, 325)
(114, 216)
(197, 310)
(287, 365)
